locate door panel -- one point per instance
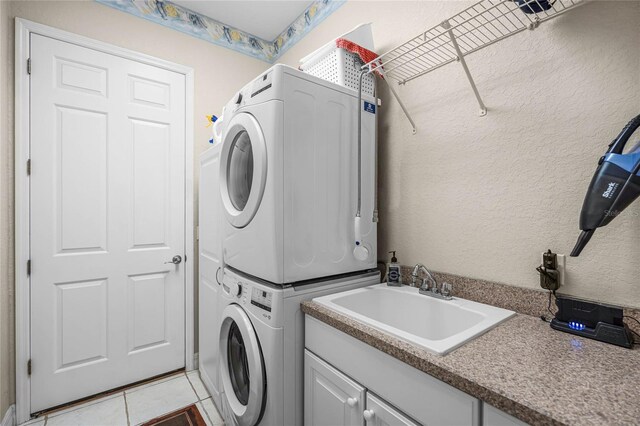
(81, 334)
(81, 147)
(149, 176)
(107, 211)
(330, 397)
(379, 413)
(81, 77)
(147, 302)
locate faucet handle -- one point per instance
(429, 284)
(445, 289)
(424, 284)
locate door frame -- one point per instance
(23, 30)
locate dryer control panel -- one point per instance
(261, 298)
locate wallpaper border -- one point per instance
(181, 19)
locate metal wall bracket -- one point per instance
(483, 109)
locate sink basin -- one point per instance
(437, 325)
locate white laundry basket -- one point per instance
(339, 65)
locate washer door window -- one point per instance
(242, 367)
(244, 169)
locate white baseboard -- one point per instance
(196, 361)
(9, 418)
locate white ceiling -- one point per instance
(263, 18)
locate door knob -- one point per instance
(352, 402)
(368, 415)
(175, 260)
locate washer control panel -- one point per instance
(262, 298)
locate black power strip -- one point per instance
(592, 320)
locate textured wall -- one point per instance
(484, 196)
(219, 72)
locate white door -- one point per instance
(379, 413)
(107, 212)
(330, 397)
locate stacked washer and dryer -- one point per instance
(278, 204)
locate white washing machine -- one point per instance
(289, 179)
(262, 346)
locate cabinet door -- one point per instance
(379, 413)
(330, 397)
(494, 417)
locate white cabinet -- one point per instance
(379, 413)
(330, 397)
(380, 390)
(412, 392)
(494, 417)
(333, 399)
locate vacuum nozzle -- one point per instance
(583, 239)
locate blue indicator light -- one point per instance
(576, 325)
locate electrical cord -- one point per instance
(635, 332)
(635, 319)
(543, 317)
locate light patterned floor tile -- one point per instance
(152, 401)
(198, 386)
(84, 404)
(110, 412)
(212, 412)
(34, 422)
(155, 382)
(203, 413)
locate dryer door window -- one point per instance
(238, 364)
(240, 170)
(243, 170)
(242, 367)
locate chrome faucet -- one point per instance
(425, 282)
(429, 286)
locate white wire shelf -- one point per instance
(476, 27)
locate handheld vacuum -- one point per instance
(614, 186)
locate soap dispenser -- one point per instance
(393, 271)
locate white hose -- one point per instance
(360, 252)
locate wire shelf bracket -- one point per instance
(447, 26)
(476, 27)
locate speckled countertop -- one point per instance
(524, 368)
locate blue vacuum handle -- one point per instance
(617, 146)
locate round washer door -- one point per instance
(243, 171)
(241, 367)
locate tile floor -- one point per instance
(138, 404)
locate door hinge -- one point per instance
(29, 167)
(29, 66)
(29, 267)
(29, 367)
